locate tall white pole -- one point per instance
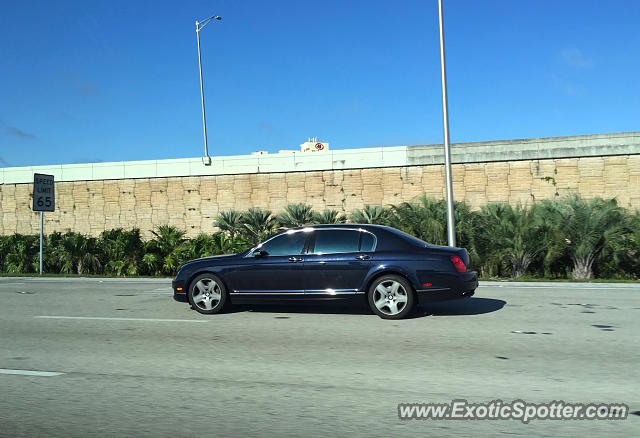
(206, 159)
(41, 226)
(451, 225)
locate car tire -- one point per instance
(391, 297)
(207, 294)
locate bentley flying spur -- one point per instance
(389, 269)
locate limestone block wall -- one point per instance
(192, 202)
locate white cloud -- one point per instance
(567, 87)
(574, 57)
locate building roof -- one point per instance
(625, 143)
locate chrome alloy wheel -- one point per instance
(390, 297)
(207, 294)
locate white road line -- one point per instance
(568, 286)
(573, 284)
(9, 284)
(102, 318)
(30, 373)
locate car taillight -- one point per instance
(458, 263)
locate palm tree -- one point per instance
(75, 253)
(170, 249)
(4, 250)
(329, 217)
(510, 236)
(222, 244)
(150, 261)
(296, 215)
(425, 219)
(581, 229)
(21, 251)
(121, 250)
(259, 224)
(230, 221)
(203, 245)
(89, 262)
(633, 245)
(621, 258)
(370, 214)
(167, 238)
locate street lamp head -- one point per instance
(201, 24)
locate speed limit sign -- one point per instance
(43, 192)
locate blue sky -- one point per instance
(117, 80)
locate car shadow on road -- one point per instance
(470, 306)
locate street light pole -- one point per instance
(451, 224)
(199, 26)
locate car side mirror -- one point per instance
(259, 253)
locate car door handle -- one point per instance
(363, 257)
(295, 259)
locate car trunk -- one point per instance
(460, 252)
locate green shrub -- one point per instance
(20, 253)
(565, 238)
(121, 251)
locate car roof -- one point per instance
(349, 225)
(387, 237)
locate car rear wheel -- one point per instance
(391, 297)
(207, 294)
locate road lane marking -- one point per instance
(103, 318)
(30, 373)
(567, 286)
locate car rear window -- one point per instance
(366, 241)
(409, 238)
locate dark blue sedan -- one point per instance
(391, 269)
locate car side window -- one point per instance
(285, 244)
(367, 241)
(336, 241)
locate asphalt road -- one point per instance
(133, 362)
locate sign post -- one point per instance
(41, 227)
(44, 199)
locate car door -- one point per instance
(334, 264)
(276, 271)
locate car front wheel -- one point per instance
(391, 297)
(207, 294)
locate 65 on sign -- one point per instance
(43, 192)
